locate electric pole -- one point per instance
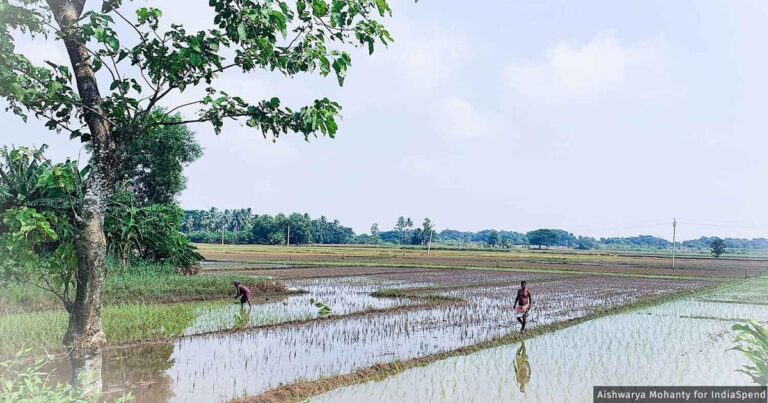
(674, 230)
(288, 238)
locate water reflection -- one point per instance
(87, 372)
(243, 318)
(140, 370)
(522, 368)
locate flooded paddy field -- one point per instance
(615, 263)
(467, 307)
(682, 343)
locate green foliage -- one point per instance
(21, 381)
(242, 226)
(322, 309)
(542, 237)
(149, 233)
(586, 243)
(155, 159)
(717, 247)
(493, 238)
(306, 36)
(752, 339)
(37, 204)
(427, 228)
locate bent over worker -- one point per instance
(244, 293)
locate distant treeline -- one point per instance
(242, 226)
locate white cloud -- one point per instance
(571, 72)
(457, 118)
(432, 58)
(40, 50)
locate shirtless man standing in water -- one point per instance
(522, 303)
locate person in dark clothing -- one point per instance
(244, 293)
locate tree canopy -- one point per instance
(126, 63)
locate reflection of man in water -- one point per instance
(522, 303)
(522, 368)
(243, 319)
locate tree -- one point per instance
(542, 237)
(585, 243)
(374, 239)
(718, 247)
(493, 238)
(154, 162)
(418, 237)
(400, 227)
(140, 75)
(427, 228)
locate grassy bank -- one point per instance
(122, 324)
(139, 284)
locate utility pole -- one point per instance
(288, 238)
(674, 230)
(429, 244)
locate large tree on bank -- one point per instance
(107, 96)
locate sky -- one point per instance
(600, 118)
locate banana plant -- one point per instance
(752, 339)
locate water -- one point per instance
(671, 344)
(343, 296)
(222, 366)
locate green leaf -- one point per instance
(320, 8)
(195, 59)
(241, 32)
(113, 43)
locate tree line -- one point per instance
(243, 226)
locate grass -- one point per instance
(141, 284)
(134, 288)
(122, 324)
(752, 291)
(414, 293)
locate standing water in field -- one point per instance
(343, 296)
(679, 343)
(219, 367)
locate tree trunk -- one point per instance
(85, 334)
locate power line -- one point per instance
(720, 225)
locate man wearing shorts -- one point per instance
(522, 303)
(244, 293)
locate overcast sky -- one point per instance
(601, 118)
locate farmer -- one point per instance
(522, 303)
(244, 293)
